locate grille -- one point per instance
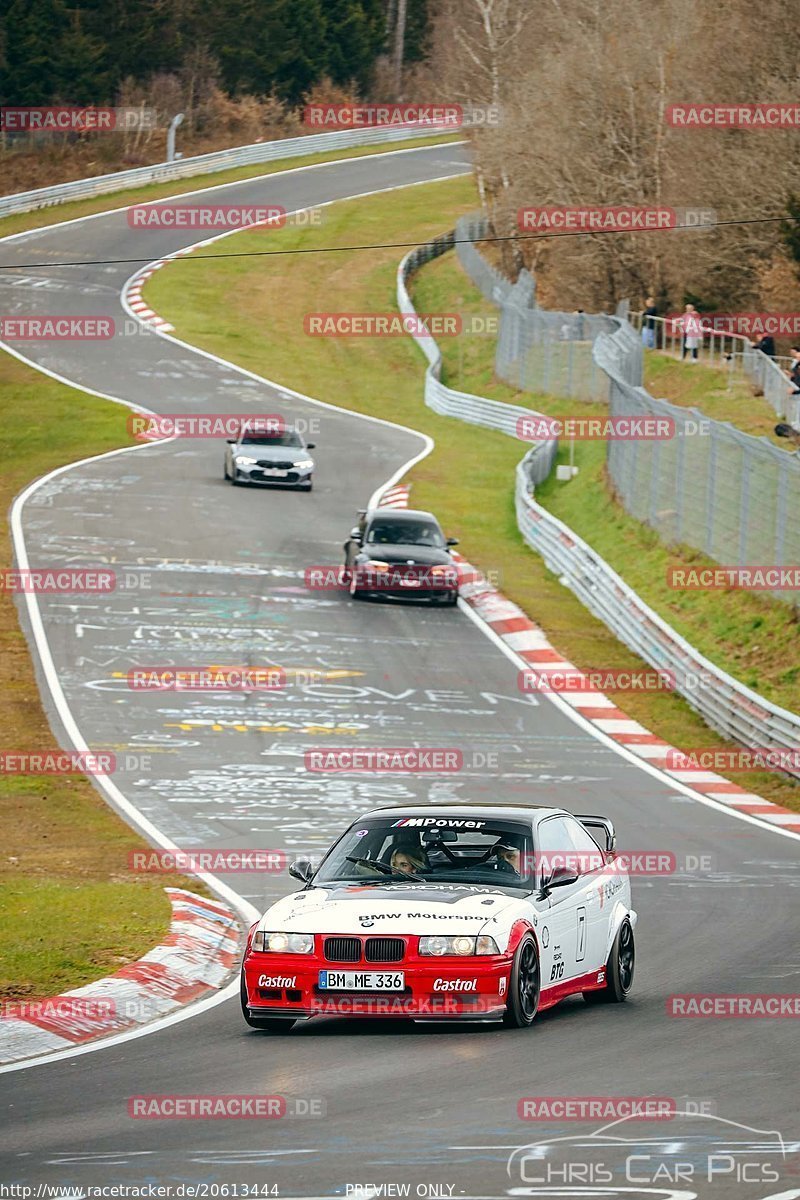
(385, 949)
(283, 466)
(342, 949)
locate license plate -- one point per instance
(410, 582)
(275, 471)
(362, 981)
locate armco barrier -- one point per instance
(219, 160)
(727, 705)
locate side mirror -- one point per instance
(302, 869)
(561, 877)
(311, 445)
(231, 441)
(452, 541)
(355, 535)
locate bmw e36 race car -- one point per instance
(463, 912)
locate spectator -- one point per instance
(766, 344)
(692, 328)
(649, 325)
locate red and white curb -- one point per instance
(197, 956)
(132, 294)
(526, 639)
(395, 497)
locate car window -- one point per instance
(563, 841)
(409, 533)
(289, 438)
(444, 850)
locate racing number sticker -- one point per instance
(581, 952)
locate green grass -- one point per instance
(54, 214)
(251, 311)
(72, 911)
(707, 388)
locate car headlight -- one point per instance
(448, 572)
(460, 945)
(304, 464)
(243, 460)
(375, 564)
(283, 943)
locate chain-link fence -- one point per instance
(732, 496)
(538, 350)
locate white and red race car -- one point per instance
(476, 912)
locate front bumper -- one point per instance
(444, 990)
(290, 476)
(411, 586)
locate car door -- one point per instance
(564, 929)
(590, 861)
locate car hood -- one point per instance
(291, 454)
(400, 908)
(428, 556)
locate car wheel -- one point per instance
(225, 471)
(268, 1024)
(452, 599)
(355, 592)
(523, 986)
(619, 969)
(306, 487)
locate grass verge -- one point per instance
(251, 312)
(716, 392)
(72, 910)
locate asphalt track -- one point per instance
(215, 574)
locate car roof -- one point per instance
(504, 812)
(399, 514)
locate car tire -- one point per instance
(523, 986)
(355, 592)
(306, 487)
(267, 1024)
(620, 969)
(225, 474)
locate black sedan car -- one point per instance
(401, 553)
(262, 457)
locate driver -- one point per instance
(509, 857)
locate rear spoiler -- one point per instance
(605, 824)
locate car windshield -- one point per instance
(385, 851)
(272, 439)
(406, 533)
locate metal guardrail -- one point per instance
(219, 160)
(736, 711)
